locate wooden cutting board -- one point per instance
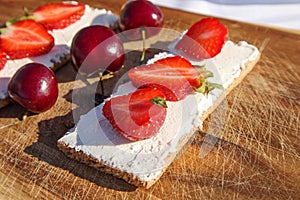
(254, 154)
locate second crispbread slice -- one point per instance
(60, 53)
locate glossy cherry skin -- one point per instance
(34, 86)
(97, 48)
(140, 14)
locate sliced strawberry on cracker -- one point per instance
(169, 75)
(25, 38)
(138, 115)
(175, 76)
(203, 40)
(59, 15)
(184, 68)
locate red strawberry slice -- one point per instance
(3, 59)
(168, 75)
(25, 38)
(203, 40)
(138, 115)
(59, 15)
(175, 76)
(184, 68)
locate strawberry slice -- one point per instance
(25, 38)
(175, 76)
(184, 68)
(203, 40)
(138, 115)
(59, 15)
(3, 59)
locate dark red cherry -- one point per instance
(140, 13)
(97, 48)
(34, 86)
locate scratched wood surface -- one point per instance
(251, 152)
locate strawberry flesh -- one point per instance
(3, 59)
(203, 40)
(26, 38)
(59, 15)
(135, 115)
(175, 76)
(184, 68)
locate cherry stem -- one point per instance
(101, 84)
(143, 32)
(26, 13)
(15, 123)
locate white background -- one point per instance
(278, 13)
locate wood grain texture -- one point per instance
(253, 155)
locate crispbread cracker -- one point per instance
(134, 179)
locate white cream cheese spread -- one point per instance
(146, 159)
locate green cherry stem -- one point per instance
(16, 122)
(101, 84)
(26, 12)
(143, 33)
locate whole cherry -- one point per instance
(97, 49)
(34, 86)
(142, 18)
